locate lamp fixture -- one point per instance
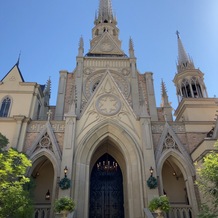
(65, 171)
(177, 176)
(151, 171)
(47, 195)
(107, 166)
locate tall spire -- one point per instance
(105, 13)
(188, 80)
(184, 61)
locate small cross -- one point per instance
(165, 117)
(49, 114)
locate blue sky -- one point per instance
(47, 34)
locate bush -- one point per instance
(161, 202)
(64, 204)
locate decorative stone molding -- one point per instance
(38, 126)
(158, 128)
(96, 77)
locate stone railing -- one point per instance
(42, 211)
(180, 211)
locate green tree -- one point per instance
(3, 142)
(15, 201)
(208, 184)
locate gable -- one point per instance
(106, 45)
(45, 140)
(108, 104)
(169, 142)
(13, 75)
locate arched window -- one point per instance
(5, 106)
(186, 91)
(196, 88)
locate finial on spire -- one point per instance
(81, 47)
(18, 60)
(131, 48)
(163, 88)
(177, 33)
(47, 90)
(165, 101)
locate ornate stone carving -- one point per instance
(108, 104)
(93, 79)
(158, 128)
(169, 142)
(87, 71)
(38, 126)
(45, 141)
(106, 46)
(125, 71)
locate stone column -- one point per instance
(148, 155)
(68, 150)
(19, 121)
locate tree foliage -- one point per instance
(14, 198)
(208, 184)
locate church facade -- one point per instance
(107, 132)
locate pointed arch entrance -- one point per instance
(106, 189)
(173, 182)
(112, 139)
(43, 176)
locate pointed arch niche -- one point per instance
(112, 140)
(44, 173)
(174, 185)
(176, 181)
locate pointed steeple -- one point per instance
(81, 47)
(167, 109)
(105, 34)
(105, 13)
(131, 48)
(47, 91)
(188, 80)
(165, 101)
(184, 61)
(48, 87)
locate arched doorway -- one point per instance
(43, 178)
(173, 183)
(106, 189)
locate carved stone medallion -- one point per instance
(108, 104)
(106, 46)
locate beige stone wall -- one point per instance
(8, 129)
